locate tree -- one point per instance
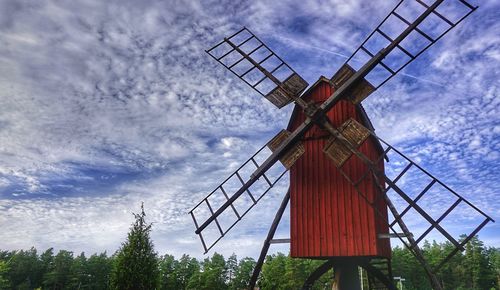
(405, 265)
(478, 268)
(494, 258)
(273, 272)
(185, 269)
(25, 271)
(99, 270)
(232, 266)
(452, 269)
(296, 272)
(213, 275)
(136, 262)
(169, 278)
(243, 274)
(4, 281)
(79, 276)
(59, 274)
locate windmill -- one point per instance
(344, 203)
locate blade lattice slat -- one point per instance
(404, 47)
(220, 223)
(246, 56)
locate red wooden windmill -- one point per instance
(340, 193)
(319, 191)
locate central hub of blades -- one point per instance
(317, 116)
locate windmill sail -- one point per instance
(246, 56)
(405, 33)
(230, 201)
(411, 193)
(423, 198)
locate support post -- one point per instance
(316, 274)
(267, 242)
(347, 276)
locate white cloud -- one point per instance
(113, 103)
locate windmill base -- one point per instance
(347, 274)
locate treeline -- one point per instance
(477, 268)
(137, 266)
(64, 270)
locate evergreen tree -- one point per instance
(405, 265)
(47, 261)
(451, 270)
(494, 258)
(168, 275)
(213, 275)
(25, 270)
(243, 274)
(58, 276)
(4, 281)
(136, 263)
(79, 275)
(478, 268)
(185, 269)
(232, 266)
(273, 272)
(99, 270)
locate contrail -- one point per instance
(354, 59)
(423, 80)
(312, 46)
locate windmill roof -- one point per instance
(364, 117)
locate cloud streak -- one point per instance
(107, 104)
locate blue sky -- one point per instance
(104, 104)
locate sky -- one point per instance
(107, 104)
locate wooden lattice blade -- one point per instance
(419, 199)
(359, 92)
(230, 201)
(344, 152)
(405, 33)
(292, 155)
(354, 133)
(245, 55)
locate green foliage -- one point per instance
(4, 280)
(25, 270)
(242, 274)
(98, 269)
(477, 267)
(59, 274)
(186, 268)
(168, 273)
(494, 258)
(136, 263)
(283, 272)
(28, 270)
(474, 269)
(212, 276)
(405, 265)
(273, 272)
(232, 267)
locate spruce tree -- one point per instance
(136, 262)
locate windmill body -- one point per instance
(328, 218)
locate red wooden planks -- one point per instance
(328, 217)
